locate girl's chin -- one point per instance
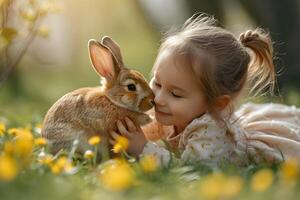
(163, 119)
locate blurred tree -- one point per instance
(21, 22)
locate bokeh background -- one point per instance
(43, 44)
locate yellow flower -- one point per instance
(2, 129)
(94, 140)
(40, 141)
(121, 144)
(55, 169)
(217, 185)
(59, 165)
(117, 148)
(211, 186)
(46, 159)
(232, 186)
(8, 147)
(117, 175)
(24, 143)
(13, 131)
(69, 168)
(89, 154)
(8, 168)
(290, 170)
(149, 163)
(23, 146)
(262, 180)
(24, 133)
(62, 164)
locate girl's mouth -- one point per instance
(161, 112)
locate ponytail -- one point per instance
(261, 70)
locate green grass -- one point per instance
(35, 180)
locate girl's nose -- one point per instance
(159, 99)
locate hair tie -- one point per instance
(247, 37)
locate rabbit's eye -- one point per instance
(131, 87)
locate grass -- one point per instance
(28, 171)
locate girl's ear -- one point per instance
(222, 102)
(102, 60)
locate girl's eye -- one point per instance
(131, 87)
(157, 84)
(176, 96)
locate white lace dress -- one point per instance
(256, 133)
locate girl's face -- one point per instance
(178, 99)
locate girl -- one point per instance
(199, 73)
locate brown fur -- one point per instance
(87, 110)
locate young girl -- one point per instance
(198, 75)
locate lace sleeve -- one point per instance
(207, 144)
(163, 155)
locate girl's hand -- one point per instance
(133, 133)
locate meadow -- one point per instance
(56, 62)
(29, 171)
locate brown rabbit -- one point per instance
(91, 111)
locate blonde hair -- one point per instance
(222, 63)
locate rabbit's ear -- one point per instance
(103, 60)
(115, 49)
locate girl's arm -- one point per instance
(153, 131)
(201, 142)
(208, 144)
